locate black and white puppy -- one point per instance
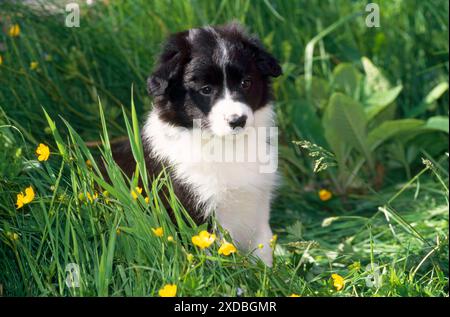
(216, 81)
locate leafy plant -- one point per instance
(357, 113)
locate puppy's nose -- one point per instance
(237, 121)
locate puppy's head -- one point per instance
(219, 75)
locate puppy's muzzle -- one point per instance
(237, 121)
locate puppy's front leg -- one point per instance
(263, 248)
(248, 225)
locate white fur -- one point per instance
(223, 110)
(237, 193)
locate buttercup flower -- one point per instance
(169, 290)
(325, 195)
(93, 197)
(170, 238)
(294, 295)
(42, 152)
(23, 199)
(34, 65)
(338, 281)
(158, 231)
(106, 196)
(227, 248)
(147, 200)
(14, 30)
(273, 241)
(13, 236)
(204, 239)
(136, 192)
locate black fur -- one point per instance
(186, 65)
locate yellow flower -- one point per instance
(338, 281)
(273, 241)
(88, 163)
(324, 195)
(136, 192)
(204, 239)
(170, 238)
(356, 266)
(147, 200)
(169, 290)
(13, 236)
(14, 30)
(93, 197)
(227, 248)
(23, 199)
(42, 152)
(294, 295)
(34, 65)
(105, 196)
(260, 246)
(158, 231)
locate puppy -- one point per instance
(212, 103)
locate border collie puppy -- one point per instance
(212, 104)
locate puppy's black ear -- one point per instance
(170, 66)
(267, 64)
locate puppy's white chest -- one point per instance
(225, 186)
(236, 190)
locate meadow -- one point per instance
(363, 206)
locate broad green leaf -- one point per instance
(439, 123)
(389, 129)
(305, 116)
(379, 101)
(346, 79)
(429, 102)
(436, 93)
(375, 81)
(345, 122)
(319, 92)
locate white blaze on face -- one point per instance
(224, 110)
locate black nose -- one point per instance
(237, 121)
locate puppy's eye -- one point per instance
(206, 90)
(246, 84)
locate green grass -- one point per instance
(401, 226)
